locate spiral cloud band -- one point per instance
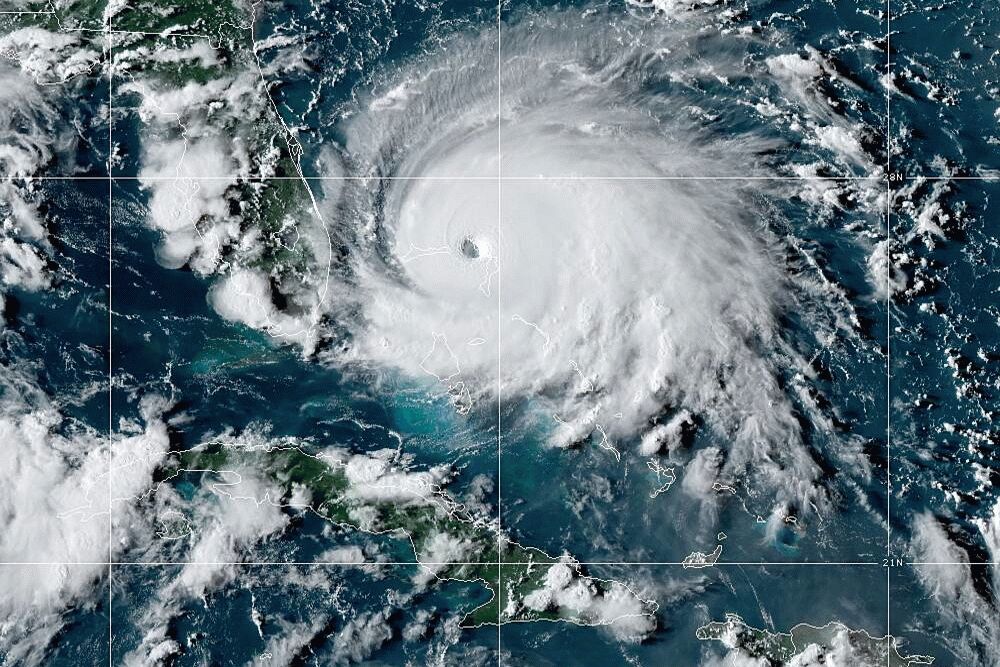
(620, 274)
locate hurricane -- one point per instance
(570, 234)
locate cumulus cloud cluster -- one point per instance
(235, 509)
(53, 516)
(37, 67)
(247, 296)
(839, 653)
(807, 79)
(53, 506)
(965, 599)
(205, 146)
(25, 249)
(189, 163)
(50, 57)
(565, 592)
(833, 645)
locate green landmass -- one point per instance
(510, 571)
(138, 30)
(779, 648)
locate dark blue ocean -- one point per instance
(844, 565)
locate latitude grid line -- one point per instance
(111, 178)
(238, 178)
(364, 564)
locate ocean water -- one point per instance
(842, 492)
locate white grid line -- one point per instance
(595, 563)
(499, 256)
(111, 183)
(888, 332)
(240, 178)
(309, 563)
(263, 179)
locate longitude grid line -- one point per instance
(499, 592)
(111, 70)
(888, 333)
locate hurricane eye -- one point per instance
(469, 248)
